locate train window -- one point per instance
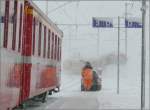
(52, 49)
(14, 25)
(20, 28)
(58, 49)
(42, 40)
(39, 42)
(44, 46)
(6, 20)
(55, 47)
(33, 36)
(36, 36)
(48, 52)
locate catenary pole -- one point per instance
(98, 43)
(118, 61)
(143, 53)
(149, 55)
(126, 30)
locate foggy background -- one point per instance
(99, 46)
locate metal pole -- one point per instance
(126, 29)
(70, 38)
(143, 53)
(118, 61)
(98, 43)
(149, 55)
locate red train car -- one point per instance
(30, 53)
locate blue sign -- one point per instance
(133, 23)
(102, 23)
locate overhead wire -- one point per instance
(60, 6)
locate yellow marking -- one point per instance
(25, 10)
(30, 11)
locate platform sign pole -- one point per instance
(98, 43)
(118, 61)
(70, 41)
(126, 30)
(143, 9)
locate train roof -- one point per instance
(46, 17)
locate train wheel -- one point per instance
(22, 106)
(50, 93)
(44, 97)
(57, 89)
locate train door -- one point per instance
(48, 44)
(26, 51)
(52, 49)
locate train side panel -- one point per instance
(26, 52)
(44, 72)
(10, 56)
(40, 68)
(29, 59)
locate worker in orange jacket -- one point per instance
(87, 76)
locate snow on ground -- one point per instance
(129, 97)
(71, 98)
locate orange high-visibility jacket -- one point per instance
(87, 76)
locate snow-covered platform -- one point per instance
(70, 96)
(88, 101)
